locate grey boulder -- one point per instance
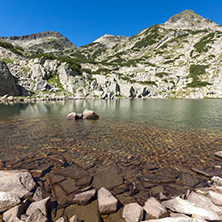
(107, 202)
(8, 200)
(154, 209)
(19, 182)
(132, 212)
(186, 207)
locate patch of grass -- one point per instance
(16, 49)
(55, 81)
(25, 69)
(195, 71)
(161, 74)
(152, 36)
(202, 46)
(147, 83)
(7, 61)
(72, 62)
(102, 71)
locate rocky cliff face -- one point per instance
(7, 82)
(178, 59)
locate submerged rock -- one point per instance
(89, 114)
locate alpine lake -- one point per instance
(156, 144)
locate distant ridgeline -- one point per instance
(178, 59)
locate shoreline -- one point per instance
(129, 182)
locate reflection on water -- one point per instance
(179, 114)
(162, 131)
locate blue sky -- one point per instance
(84, 21)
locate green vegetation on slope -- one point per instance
(12, 48)
(195, 71)
(72, 62)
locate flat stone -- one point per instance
(85, 197)
(107, 202)
(54, 178)
(152, 178)
(37, 215)
(19, 182)
(178, 219)
(115, 217)
(68, 186)
(8, 200)
(16, 211)
(57, 160)
(204, 202)
(84, 181)
(86, 213)
(186, 207)
(154, 209)
(59, 193)
(43, 205)
(108, 177)
(133, 212)
(216, 198)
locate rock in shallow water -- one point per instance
(89, 114)
(133, 212)
(107, 202)
(186, 207)
(85, 197)
(19, 182)
(154, 209)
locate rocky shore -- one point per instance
(52, 189)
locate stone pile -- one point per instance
(87, 114)
(71, 195)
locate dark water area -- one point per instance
(163, 132)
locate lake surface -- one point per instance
(161, 132)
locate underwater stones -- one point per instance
(87, 114)
(85, 197)
(108, 177)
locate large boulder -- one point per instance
(89, 114)
(107, 202)
(7, 81)
(70, 80)
(8, 200)
(186, 207)
(19, 182)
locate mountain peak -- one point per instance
(189, 19)
(110, 40)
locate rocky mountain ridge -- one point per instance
(180, 58)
